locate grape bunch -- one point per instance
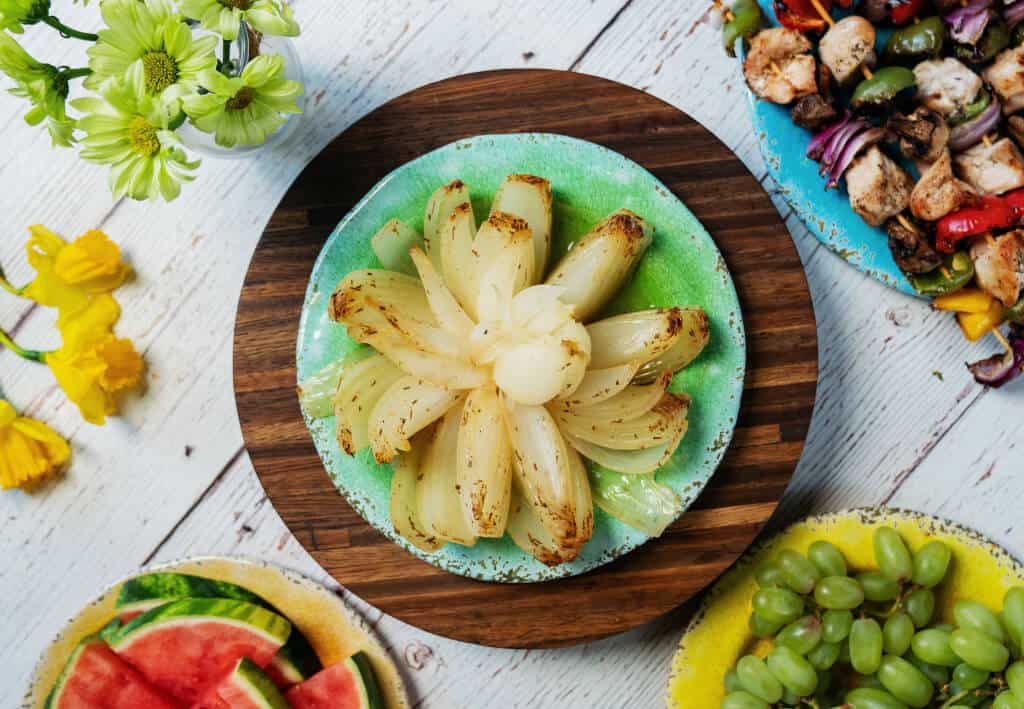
(869, 640)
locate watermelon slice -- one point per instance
(295, 662)
(350, 684)
(96, 678)
(184, 646)
(246, 687)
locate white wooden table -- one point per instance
(898, 420)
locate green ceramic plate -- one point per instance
(682, 267)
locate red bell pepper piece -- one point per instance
(800, 15)
(905, 12)
(992, 213)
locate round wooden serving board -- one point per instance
(777, 400)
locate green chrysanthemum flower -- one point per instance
(224, 16)
(43, 85)
(16, 13)
(244, 110)
(130, 130)
(150, 31)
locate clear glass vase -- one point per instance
(249, 45)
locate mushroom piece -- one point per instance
(999, 265)
(779, 67)
(946, 85)
(940, 192)
(1006, 75)
(814, 111)
(923, 135)
(910, 248)
(848, 45)
(878, 187)
(991, 169)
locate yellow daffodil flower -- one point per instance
(67, 275)
(93, 365)
(29, 449)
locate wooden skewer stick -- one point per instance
(1002, 339)
(987, 141)
(828, 18)
(990, 239)
(729, 17)
(945, 272)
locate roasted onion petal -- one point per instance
(600, 384)
(447, 372)
(529, 198)
(392, 243)
(649, 430)
(459, 263)
(575, 341)
(359, 389)
(639, 501)
(437, 497)
(530, 535)
(407, 407)
(534, 372)
(599, 263)
(642, 336)
(632, 402)
(440, 206)
(361, 310)
(484, 471)
(389, 288)
(695, 335)
(449, 314)
(505, 257)
(404, 516)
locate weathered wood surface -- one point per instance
(782, 359)
(886, 429)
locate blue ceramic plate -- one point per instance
(682, 267)
(827, 214)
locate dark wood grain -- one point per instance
(777, 401)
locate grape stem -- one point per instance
(954, 699)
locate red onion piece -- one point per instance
(970, 133)
(1000, 368)
(1013, 13)
(816, 148)
(967, 23)
(850, 151)
(838, 143)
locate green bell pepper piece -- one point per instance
(960, 268)
(923, 39)
(745, 23)
(1015, 313)
(971, 110)
(883, 87)
(993, 40)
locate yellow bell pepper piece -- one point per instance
(976, 325)
(965, 300)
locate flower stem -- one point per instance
(76, 73)
(10, 344)
(6, 285)
(225, 58)
(66, 31)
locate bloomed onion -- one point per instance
(407, 407)
(484, 472)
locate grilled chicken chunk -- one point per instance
(1006, 75)
(991, 169)
(939, 192)
(1015, 127)
(778, 67)
(923, 134)
(847, 46)
(945, 85)
(878, 187)
(910, 248)
(999, 265)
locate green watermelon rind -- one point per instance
(54, 697)
(372, 698)
(296, 661)
(260, 688)
(274, 627)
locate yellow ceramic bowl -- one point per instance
(718, 635)
(333, 629)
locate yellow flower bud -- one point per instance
(29, 449)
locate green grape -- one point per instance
(790, 698)
(824, 656)
(938, 674)
(1013, 614)
(799, 573)
(930, 564)
(948, 627)
(778, 605)
(865, 645)
(1015, 678)
(905, 682)
(920, 606)
(838, 593)
(757, 679)
(870, 698)
(762, 628)
(769, 574)
(978, 649)
(742, 700)
(802, 635)
(877, 586)
(891, 554)
(972, 614)
(967, 677)
(731, 681)
(933, 646)
(835, 625)
(827, 557)
(793, 671)
(897, 633)
(1008, 700)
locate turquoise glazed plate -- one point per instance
(827, 214)
(682, 267)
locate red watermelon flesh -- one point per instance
(349, 684)
(96, 678)
(246, 687)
